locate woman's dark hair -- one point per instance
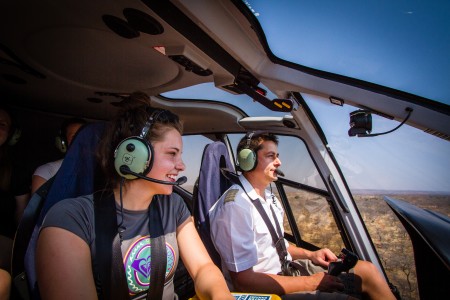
(129, 122)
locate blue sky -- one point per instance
(402, 44)
(405, 46)
(406, 159)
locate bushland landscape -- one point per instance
(391, 240)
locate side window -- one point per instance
(314, 220)
(311, 213)
(193, 146)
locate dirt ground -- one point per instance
(388, 234)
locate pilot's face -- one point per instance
(268, 161)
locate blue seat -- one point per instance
(211, 184)
(76, 177)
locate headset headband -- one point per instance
(149, 123)
(249, 138)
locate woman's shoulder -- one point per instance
(75, 215)
(82, 203)
(175, 206)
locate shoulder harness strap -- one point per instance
(109, 255)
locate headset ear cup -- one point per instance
(60, 144)
(14, 137)
(136, 154)
(247, 159)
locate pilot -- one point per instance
(256, 260)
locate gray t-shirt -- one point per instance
(77, 215)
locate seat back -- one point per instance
(76, 177)
(211, 184)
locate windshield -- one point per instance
(399, 44)
(405, 160)
(403, 45)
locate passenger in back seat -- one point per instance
(250, 258)
(69, 128)
(148, 143)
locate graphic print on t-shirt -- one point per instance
(137, 264)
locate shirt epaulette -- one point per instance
(230, 195)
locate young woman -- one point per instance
(147, 142)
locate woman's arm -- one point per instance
(209, 281)
(63, 265)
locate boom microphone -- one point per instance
(126, 170)
(279, 172)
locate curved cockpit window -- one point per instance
(403, 45)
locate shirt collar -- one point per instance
(251, 191)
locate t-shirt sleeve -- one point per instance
(181, 210)
(232, 234)
(48, 170)
(174, 211)
(75, 215)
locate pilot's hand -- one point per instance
(323, 257)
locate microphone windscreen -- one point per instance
(181, 180)
(279, 172)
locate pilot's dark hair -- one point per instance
(256, 141)
(129, 122)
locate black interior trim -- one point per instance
(304, 187)
(312, 118)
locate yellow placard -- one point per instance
(255, 296)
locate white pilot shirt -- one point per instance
(240, 234)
